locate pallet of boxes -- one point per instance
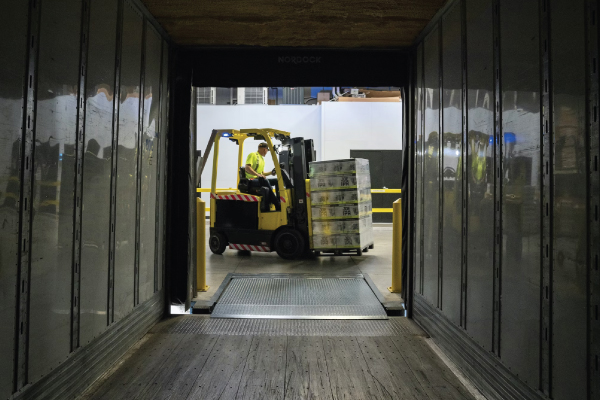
(341, 208)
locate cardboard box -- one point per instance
(370, 93)
(342, 241)
(349, 196)
(345, 226)
(340, 182)
(323, 96)
(351, 166)
(341, 211)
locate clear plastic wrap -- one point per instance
(341, 204)
(353, 166)
(326, 197)
(343, 241)
(342, 226)
(341, 211)
(333, 182)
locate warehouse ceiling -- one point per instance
(294, 23)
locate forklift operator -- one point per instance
(255, 164)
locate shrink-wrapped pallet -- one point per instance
(341, 208)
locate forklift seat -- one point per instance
(244, 187)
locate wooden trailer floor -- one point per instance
(196, 357)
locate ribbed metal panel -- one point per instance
(485, 371)
(254, 95)
(293, 95)
(86, 365)
(203, 95)
(299, 298)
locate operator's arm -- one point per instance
(253, 172)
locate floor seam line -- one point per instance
(244, 369)
(369, 369)
(156, 373)
(410, 367)
(287, 341)
(203, 365)
(327, 367)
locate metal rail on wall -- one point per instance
(375, 210)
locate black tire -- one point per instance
(217, 243)
(289, 244)
(366, 250)
(372, 246)
(359, 252)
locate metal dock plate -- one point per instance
(298, 298)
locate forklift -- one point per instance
(244, 219)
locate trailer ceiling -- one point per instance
(294, 23)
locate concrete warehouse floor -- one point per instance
(377, 263)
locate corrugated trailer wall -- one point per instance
(13, 27)
(83, 103)
(506, 194)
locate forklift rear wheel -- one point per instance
(217, 243)
(289, 244)
(372, 246)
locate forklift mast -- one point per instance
(311, 154)
(301, 152)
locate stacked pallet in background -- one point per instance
(341, 207)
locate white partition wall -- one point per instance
(359, 126)
(300, 121)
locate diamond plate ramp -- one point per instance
(298, 298)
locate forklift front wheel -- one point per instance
(217, 243)
(289, 244)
